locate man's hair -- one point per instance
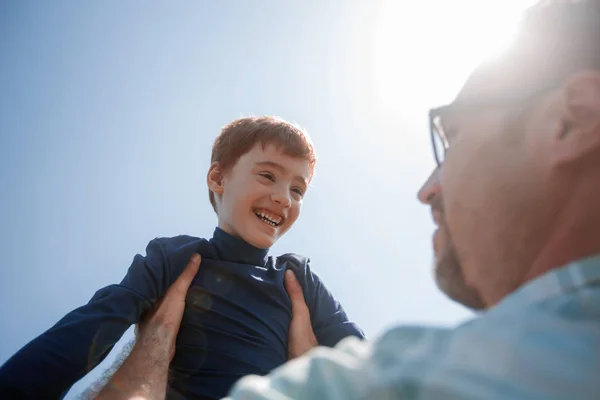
(241, 135)
(566, 31)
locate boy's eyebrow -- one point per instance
(280, 168)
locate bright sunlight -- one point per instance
(445, 39)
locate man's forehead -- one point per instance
(539, 56)
(511, 75)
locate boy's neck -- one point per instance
(234, 249)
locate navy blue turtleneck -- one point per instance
(235, 323)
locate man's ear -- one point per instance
(579, 135)
(214, 178)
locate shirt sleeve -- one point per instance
(323, 373)
(329, 320)
(51, 363)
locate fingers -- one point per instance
(182, 284)
(294, 290)
(301, 336)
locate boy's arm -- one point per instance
(51, 363)
(144, 373)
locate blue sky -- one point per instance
(108, 111)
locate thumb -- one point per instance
(183, 282)
(190, 271)
(294, 290)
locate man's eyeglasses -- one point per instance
(439, 139)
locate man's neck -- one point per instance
(575, 234)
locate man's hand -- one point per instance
(144, 373)
(160, 327)
(301, 337)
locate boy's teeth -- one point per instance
(268, 219)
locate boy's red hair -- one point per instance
(241, 135)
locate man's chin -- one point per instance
(437, 243)
(450, 280)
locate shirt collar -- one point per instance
(233, 249)
(573, 277)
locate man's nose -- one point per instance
(430, 189)
(282, 197)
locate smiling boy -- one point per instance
(237, 310)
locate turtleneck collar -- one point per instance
(233, 249)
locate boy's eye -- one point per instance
(268, 175)
(298, 191)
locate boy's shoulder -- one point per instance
(176, 242)
(294, 258)
(181, 247)
(299, 263)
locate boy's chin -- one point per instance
(260, 240)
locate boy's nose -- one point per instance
(430, 189)
(282, 198)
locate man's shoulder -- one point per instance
(504, 349)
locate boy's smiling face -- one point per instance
(260, 197)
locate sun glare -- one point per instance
(424, 50)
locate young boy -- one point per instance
(237, 309)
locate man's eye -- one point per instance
(267, 175)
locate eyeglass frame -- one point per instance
(466, 106)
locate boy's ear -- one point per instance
(214, 178)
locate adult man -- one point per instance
(516, 200)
